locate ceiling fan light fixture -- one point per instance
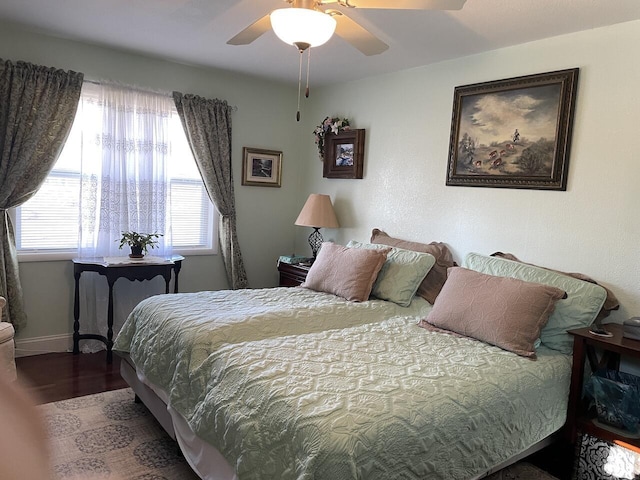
(302, 27)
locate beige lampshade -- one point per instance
(317, 212)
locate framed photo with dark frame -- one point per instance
(513, 133)
(261, 168)
(344, 154)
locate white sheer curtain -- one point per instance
(124, 186)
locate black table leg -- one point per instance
(76, 314)
(110, 322)
(176, 268)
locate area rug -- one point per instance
(108, 435)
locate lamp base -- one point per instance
(315, 241)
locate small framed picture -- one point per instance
(261, 168)
(344, 154)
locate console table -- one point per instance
(113, 269)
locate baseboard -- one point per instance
(40, 345)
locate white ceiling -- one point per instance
(196, 31)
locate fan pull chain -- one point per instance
(299, 86)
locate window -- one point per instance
(193, 213)
(47, 225)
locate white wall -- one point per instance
(592, 228)
(265, 118)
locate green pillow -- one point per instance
(401, 274)
(580, 308)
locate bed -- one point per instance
(169, 335)
(331, 388)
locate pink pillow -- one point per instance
(346, 272)
(432, 283)
(505, 312)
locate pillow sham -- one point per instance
(505, 312)
(580, 308)
(401, 274)
(346, 272)
(433, 282)
(610, 303)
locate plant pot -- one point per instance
(136, 252)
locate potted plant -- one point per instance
(139, 242)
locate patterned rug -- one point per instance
(107, 435)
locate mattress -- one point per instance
(377, 401)
(168, 336)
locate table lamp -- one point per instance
(317, 213)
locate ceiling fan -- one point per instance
(344, 27)
(311, 23)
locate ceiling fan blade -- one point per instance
(357, 35)
(402, 4)
(252, 32)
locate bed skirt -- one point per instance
(205, 460)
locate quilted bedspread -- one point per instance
(168, 336)
(375, 401)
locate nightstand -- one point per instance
(602, 453)
(585, 345)
(292, 275)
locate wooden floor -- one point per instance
(58, 376)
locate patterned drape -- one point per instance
(207, 124)
(37, 108)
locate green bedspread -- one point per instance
(377, 400)
(168, 336)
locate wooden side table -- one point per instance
(133, 270)
(292, 275)
(584, 348)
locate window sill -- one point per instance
(63, 256)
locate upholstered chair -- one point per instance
(7, 347)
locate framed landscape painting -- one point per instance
(261, 168)
(513, 133)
